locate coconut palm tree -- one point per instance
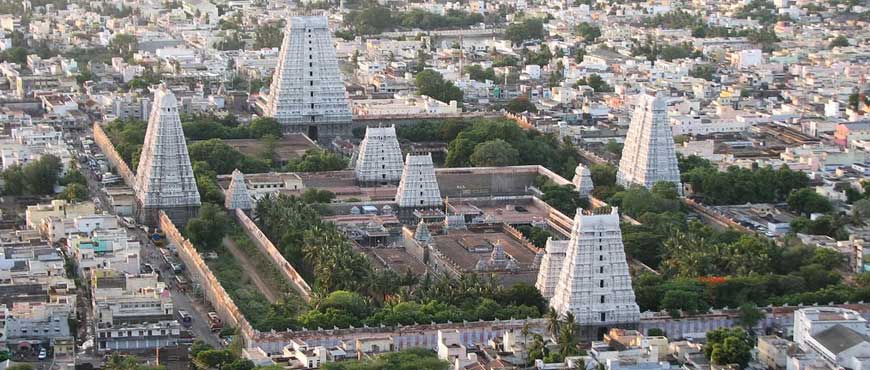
(552, 322)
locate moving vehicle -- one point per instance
(214, 322)
(185, 318)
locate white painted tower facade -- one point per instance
(583, 181)
(237, 196)
(418, 187)
(594, 282)
(649, 155)
(164, 176)
(307, 94)
(380, 157)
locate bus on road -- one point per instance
(185, 318)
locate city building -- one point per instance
(830, 338)
(132, 312)
(648, 155)
(380, 158)
(594, 283)
(164, 177)
(307, 94)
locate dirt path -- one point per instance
(251, 271)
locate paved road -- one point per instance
(180, 300)
(150, 254)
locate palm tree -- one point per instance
(552, 322)
(526, 331)
(567, 335)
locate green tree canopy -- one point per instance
(521, 104)
(729, 346)
(806, 201)
(432, 84)
(494, 153)
(265, 126)
(208, 229)
(526, 30)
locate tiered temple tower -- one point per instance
(164, 177)
(307, 94)
(237, 196)
(380, 157)
(649, 155)
(583, 181)
(594, 283)
(418, 187)
(551, 265)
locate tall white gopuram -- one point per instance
(237, 196)
(418, 187)
(583, 180)
(551, 264)
(649, 155)
(380, 157)
(594, 283)
(307, 94)
(164, 177)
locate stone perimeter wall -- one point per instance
(265, 245)
(102, 141)
(202, 275)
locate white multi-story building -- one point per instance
(594, 283)
(649, 155)
(132, 312)
(830, 337)
(307, 93)
(110, 248)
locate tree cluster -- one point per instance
(317, 160)
(521, 104)
(35, 178)
(729, 346)
(208, 229)
(477, 73)
(596, 83)
(740, 185)
(588, 31)
(432, 84)
(526, 30)
(532, 147)
(564, 198)
(653, 50)
(537, 235)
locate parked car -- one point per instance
(42, 354)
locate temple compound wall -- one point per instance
(106, 146)
(201, 275)
(265, 245)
